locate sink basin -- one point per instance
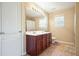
(36, 32)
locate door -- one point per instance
(0, 29)
(11, 28)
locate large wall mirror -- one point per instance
(30, 25)
(36, 19)
(43, 24)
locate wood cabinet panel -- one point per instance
(39, 44)
(35, 45)
(31, 45)
(44, 41)
(49, 39)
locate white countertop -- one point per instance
(35, 33)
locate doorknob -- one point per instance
(20, 31)
(2, 33)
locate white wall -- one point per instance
(0, 16)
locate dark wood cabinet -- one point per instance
(35, 45)
(49, 39)
(39, 44)
(31, 44)
(44, 41)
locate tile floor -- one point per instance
(59, 50)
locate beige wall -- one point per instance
(65, 33)
(77, 29)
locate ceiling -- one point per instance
(35, 9)
(30, 12)
(53, 6)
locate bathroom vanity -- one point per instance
(37, 42)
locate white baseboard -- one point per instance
(65, 42)
(23, 54)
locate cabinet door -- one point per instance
(49, 39)
(44, 41)
(31, 44)
(39, 44)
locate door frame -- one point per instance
(1, 29)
